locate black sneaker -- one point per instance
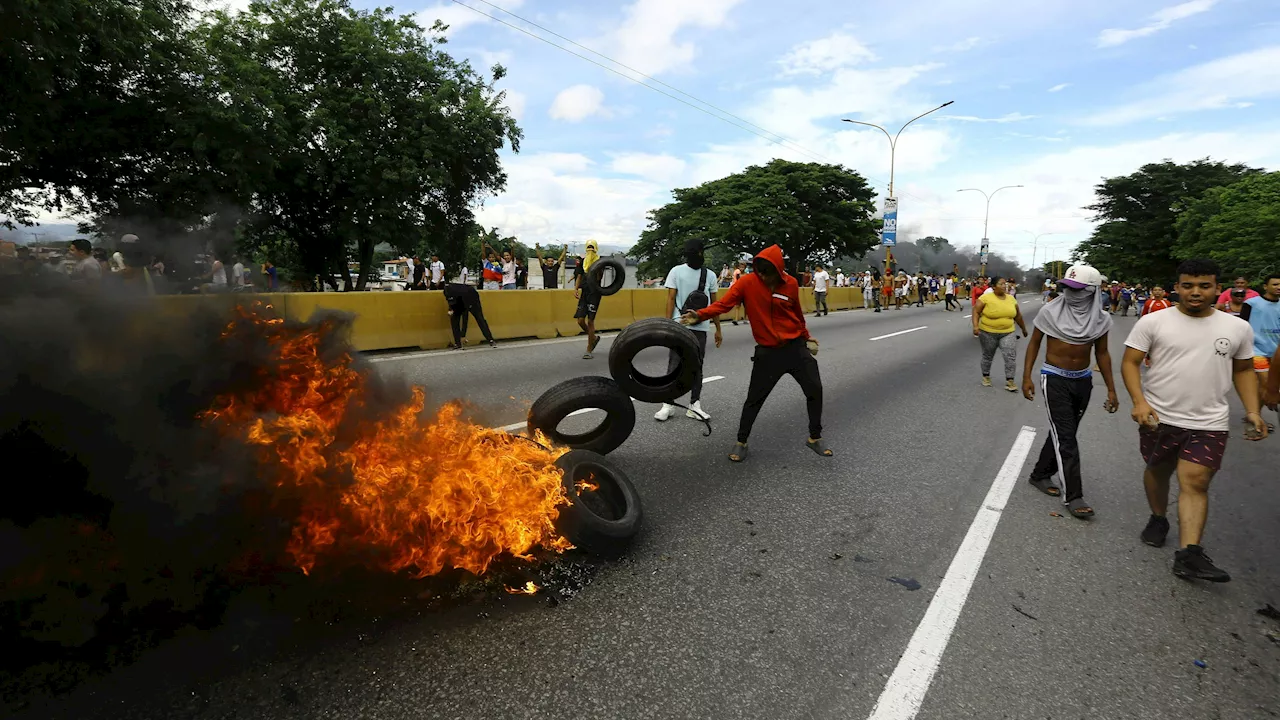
(1156, 530)
(1192, 564)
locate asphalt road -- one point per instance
(790, 586)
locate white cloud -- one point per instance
(1059, 87)
(665, 169)
(1213, 85)
(646, 38)
(1007, 118)
(837, 50)
(577, 103)
(516, 102)
(963, 46)
(458, 17)
(1161, 20)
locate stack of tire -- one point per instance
(605, 509)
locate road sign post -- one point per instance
(982, 254)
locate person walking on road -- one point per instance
(821, 279)
(994, 316)
(1263, 315)
(1075, 325)
(464, 300)
(1181, 407)
(783, 344)
(588, 298)
(950, 293)
(1239, 288)
(691, 287)
(1155, 303)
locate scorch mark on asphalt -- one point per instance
(900, 332)
(513, 427)
(904, 692)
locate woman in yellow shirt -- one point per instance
(994, 315)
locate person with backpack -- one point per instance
(690, 288)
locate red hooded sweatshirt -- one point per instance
(776, 316)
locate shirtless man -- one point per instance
(1075, 325)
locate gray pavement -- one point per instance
(763, 590)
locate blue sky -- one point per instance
(1051, 94)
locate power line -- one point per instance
(784, 143)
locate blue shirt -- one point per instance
(684, 280)
(1264, 318)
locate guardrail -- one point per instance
(420, 319)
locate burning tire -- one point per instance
(649, 333)
(580, 394)
(604, 512)
(596, 274)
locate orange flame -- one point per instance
(587, 484)
(529, 588)
(408, 495)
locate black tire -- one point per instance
(579, 393)
(647, 333)
(596, 273)
(601, 521)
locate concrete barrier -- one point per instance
(387, 321)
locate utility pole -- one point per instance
(986, 221)
(889, 235)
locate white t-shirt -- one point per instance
(951, 287)
(820, 280)
(684, 280)
(437, 272)
(237, 274)
(839, 279)
(1190, 373)
(464, 274)
(866, 282)
(508, 272)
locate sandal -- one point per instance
(819, 447)
(1080, 509)
(739, 452)
(1046, 486)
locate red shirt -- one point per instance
(977, 293)
(776, 315)
(1153, 305)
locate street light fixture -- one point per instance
(1034, 242)
(987, 218)
(893, 152)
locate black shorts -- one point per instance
(588, 306)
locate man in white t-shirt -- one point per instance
(437, 273)
(1197, 353)
(682, 281)
(821, 279)
(840, 280)
(868, 292)
(237, 275)
(949, 288)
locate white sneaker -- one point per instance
(696, 412)
(664, 412)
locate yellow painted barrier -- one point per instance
(648, 303)
(840, 298)
(518, 313)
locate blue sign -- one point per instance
(889, 235)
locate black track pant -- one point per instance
(673, 364)
(951, 300)
(1066, 399)
(768, 367)
(468, 303)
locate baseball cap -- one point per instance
(1082, 276)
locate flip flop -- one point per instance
(819, 447)
(587, 356)
(1046, 486)
(1080, 509)
(739, 451)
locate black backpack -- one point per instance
(697, 299)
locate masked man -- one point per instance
(1075, 325)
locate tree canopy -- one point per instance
(1238, 226)
(1139, 213)
(814, 212)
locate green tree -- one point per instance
(1238, 226)
(1138, 216)
(374, 133)
(88, 85)
(814, 212)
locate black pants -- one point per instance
(1066, 399)
(951, 300)
(673, 363)
(461, 306)
(768, 367)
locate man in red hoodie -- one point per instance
(783, 345)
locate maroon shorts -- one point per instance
(1165, 442)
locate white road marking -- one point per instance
(966, 317)
(904, 692)
(900, 332)
(522, 425)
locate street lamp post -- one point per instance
(1034, 243)
(987, 218)
(893, 151)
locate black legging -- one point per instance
(464, 299)
(770, 364)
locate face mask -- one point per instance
(694, 260)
